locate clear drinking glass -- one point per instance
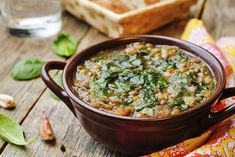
(32, 18)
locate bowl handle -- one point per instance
(215, 117)
(60, 92)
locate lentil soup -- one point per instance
(144, 80)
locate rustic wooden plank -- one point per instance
(92, 37)
(13, 49)
(66, 127)
(218, 16)
(68, 133)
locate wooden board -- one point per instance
(66, 127)
(26, 93)
(32, 98)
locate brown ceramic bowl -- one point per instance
(138, 136)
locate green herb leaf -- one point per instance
(65, 45)
(12, 132)
(58, 80)
(26, 69)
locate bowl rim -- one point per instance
(216, 94)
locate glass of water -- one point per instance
(32, 18)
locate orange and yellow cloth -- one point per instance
(219, 140)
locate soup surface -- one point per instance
(144, 80)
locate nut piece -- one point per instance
(46, 131)
(7, 101)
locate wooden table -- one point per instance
(32, 96)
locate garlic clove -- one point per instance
(46, 131)
(7, 101)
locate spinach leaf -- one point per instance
(26, 69)
(12, 132)
(58, 80)
(148, 99)
(99, 91)
(154, 80)
(65, 45)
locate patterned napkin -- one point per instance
(219, 140)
